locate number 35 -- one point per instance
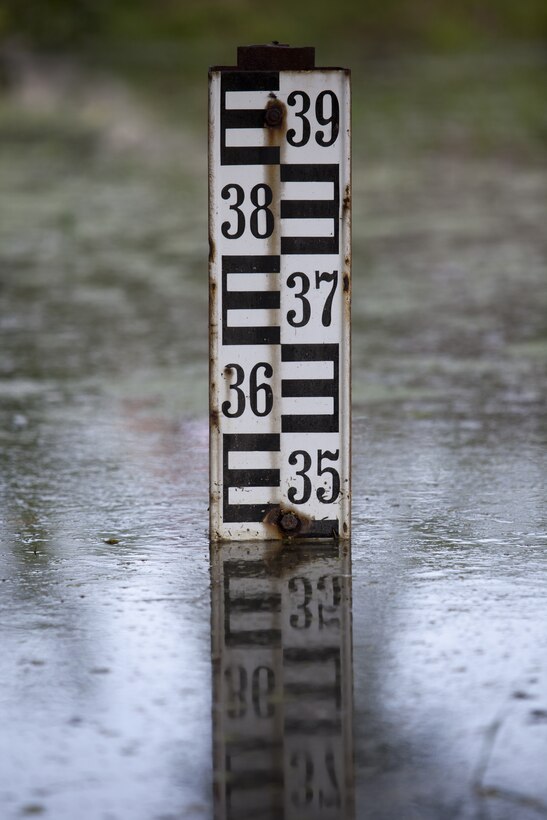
(306, 486)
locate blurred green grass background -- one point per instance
(478, 63)
(103, 137)
(375, 27)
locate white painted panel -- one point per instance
(280, 292)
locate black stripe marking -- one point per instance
(313, 727)
(251, 264)
(306, 209)
(294, 657)
(300, 387)
(249, 300)
(245, 118)
(311, 209)
(324, 528)
(308, 422)
(248, 605)
(248, 442)
(246, 569)
(303, 654)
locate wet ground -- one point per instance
(127, 673)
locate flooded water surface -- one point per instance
(145, 675)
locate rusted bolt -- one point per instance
(274, 115)
(289, 522)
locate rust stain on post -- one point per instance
(274, 115)
(275, 121)
(212, 250)
(289, 522)
(215, 418)
(346, 203)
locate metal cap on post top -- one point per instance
(275, 57)
(279, 194)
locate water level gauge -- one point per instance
(279, 198)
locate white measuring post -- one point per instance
(280, 255)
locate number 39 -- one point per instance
(323, 118)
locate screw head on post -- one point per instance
(273, 116)
(289, 522)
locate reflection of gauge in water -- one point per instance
(282, 674)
